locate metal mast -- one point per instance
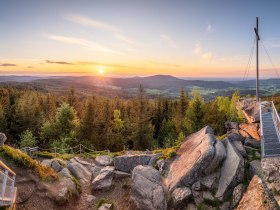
(257, 57)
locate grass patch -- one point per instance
(77, 183)
(45, 173)
(213, 203)
(166, 153)
(100, 202)
(222, 137)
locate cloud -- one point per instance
(209, 29)
(197, 49)
(167, 39)
(82, 42)
(7, 64)
(30, 67)
(90, 22)
(58, 62)
(125, 39)
(207, 56)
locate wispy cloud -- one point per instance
(209, 29)
(7, 64)
(197, 49)
(82, 20)
(207, 56)
(87, 44)
(125, 39)
(59, 62)
(167, 39)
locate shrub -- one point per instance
(45, 173)
(27, 139)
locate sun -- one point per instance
(101, 71)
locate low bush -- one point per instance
(45, 173)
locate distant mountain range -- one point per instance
(127, 87)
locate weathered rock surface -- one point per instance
(64, 191)
(127, 163)
(95, 171)
(106, 206)
(79, 171)
(252, 143)
(231, 125)
(211, 181)
(206, 195)
(3, 138)
(237, 194)
(232, 172)
(147, 191)
(239, 146)
(256, 197)
(65, 173)
(46, 162)
(244, 134)
(180, 195)
(104, 160)
(251, 129)
(250, 109)
(120, 174)
(57, 165)
(200, 153)
(255, 168)
(104, 180)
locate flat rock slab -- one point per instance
(198, 155)
(127, 163)
(104, 180)
(104, 160)
(232, 172)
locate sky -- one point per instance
(184, 38)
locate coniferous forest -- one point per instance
(33, 118)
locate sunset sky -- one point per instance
(184, 38)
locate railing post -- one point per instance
(4, 185)
(55, 151)
(80, 149)
(12, 189)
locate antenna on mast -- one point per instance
(257, 57)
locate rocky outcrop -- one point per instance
(252, 143)
(250, 109)
(232, 172)
(200, 154)
(239, 146)
(104, 160)
(127, 163)
(3, 138)
(147, 191)
(104, 179)
(256, 197)
(251, 129)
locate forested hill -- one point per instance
(163, 85)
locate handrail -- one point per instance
(3, 165)
(276, 118)
(8, 192)
(261, 126)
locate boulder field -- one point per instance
(206, 172)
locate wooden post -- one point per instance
(80, 149)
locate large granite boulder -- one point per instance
(127, 163)
(232, 172)
(147, 191)
(3, 138)
(252, 143)
(251, 129)
(79, 171)
(237, 194)
(239, 146)
(104, 180)
(200, 154)
(256, 197)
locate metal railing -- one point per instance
(276, 119)
(261, 128)
(7, 185)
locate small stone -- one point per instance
(106, 206)
(196, 186)
(90, 198)
(3, 138)
(104, 160)
(180, 195)
(208, 196)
